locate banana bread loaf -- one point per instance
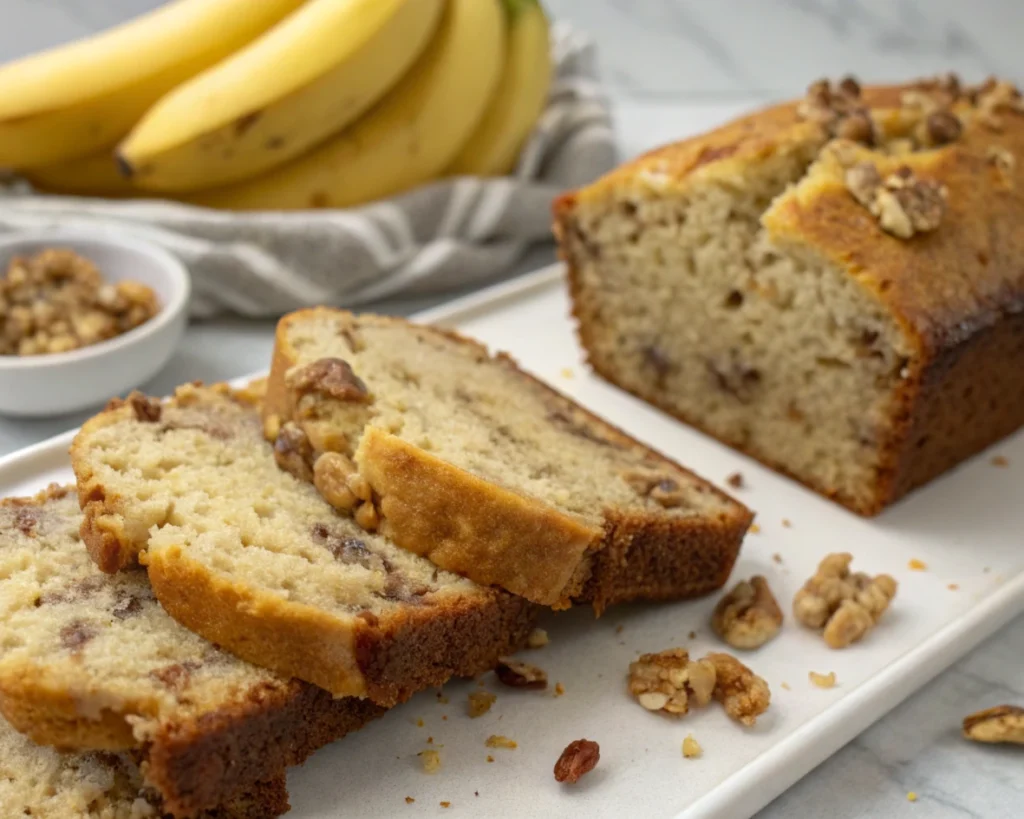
(253, 559)
(45, 784)
(92, 662)
(834, 286)
(485, 470)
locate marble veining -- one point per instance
(673, 67)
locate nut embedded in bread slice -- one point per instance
(463, 458)
(253, 559)
(91, 662)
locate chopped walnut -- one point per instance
(940, 128)
(838, 107)
(57, 301)
(748, 616)
(499, 741)
(1004, 723)
(845, 605)
(822, 680)
(145, 409)
(480, 703)
(293, 452)
(520, 675)
(330, 377)
(744, 695)
(538, 638)
(662, 489)
(579, 757)
(691, 748)
(431, 761)
(669, 681)
(902, 203)
(331, 474)
(993, 97)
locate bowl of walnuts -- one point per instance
(83, 318)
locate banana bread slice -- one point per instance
(45, 784)
(834, 286)
(463, 458)
(253, 559)
(91, 662)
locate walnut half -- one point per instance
(748, 616)
(669, 681)
(845, 605)
(903, 203)
(1004, 723)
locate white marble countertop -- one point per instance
(673, 67)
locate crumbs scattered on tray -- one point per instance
(822, 680)
(567, 372)
(618, 629)
(777, 557)
(431, 761)
(499, 741)
(953, 586)
(787, 523)
(916, 565)
(911, 796)
(419, 722)
(735, 480)
(559, 689)
(538, 638)
(441, 698)
(446, 804)
(480, 703)
(691, 748)
(785, 685)
(490, 758)
(1000, 460)
(754, 529)
(409, 800)
(692, 635)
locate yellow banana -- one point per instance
(301, 82)
(73, 100)
(93, 175)
(520, 98)
(408, 138)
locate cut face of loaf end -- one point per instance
(743, 282)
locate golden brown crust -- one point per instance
(957, 292)
(266, 630)
(498, 537)
(428, 507)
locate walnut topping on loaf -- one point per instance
(838, 106)
(902, 203)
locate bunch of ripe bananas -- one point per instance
(280, 104)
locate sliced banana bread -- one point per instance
(45, 784)
(463, 458)
(90, 661)
(834, 286)
(248, 556)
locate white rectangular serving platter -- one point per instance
(967, 527)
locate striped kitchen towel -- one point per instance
(450, 234)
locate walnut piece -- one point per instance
(331, 474)
(56, 301)
(499, 741)
(669, 681)
(431, 761)
(822, 680)
(520, 675)
(147, 410)
(329, 377)
(1004, 723)
(902, 203)
(748, 616)
(691, 748)
(743, 694)
(480, 703)
(847, 606)
(538, 638)
(662, 489)
(293, 452)
(838, 107)
(579, 757)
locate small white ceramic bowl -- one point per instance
(58, 383)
